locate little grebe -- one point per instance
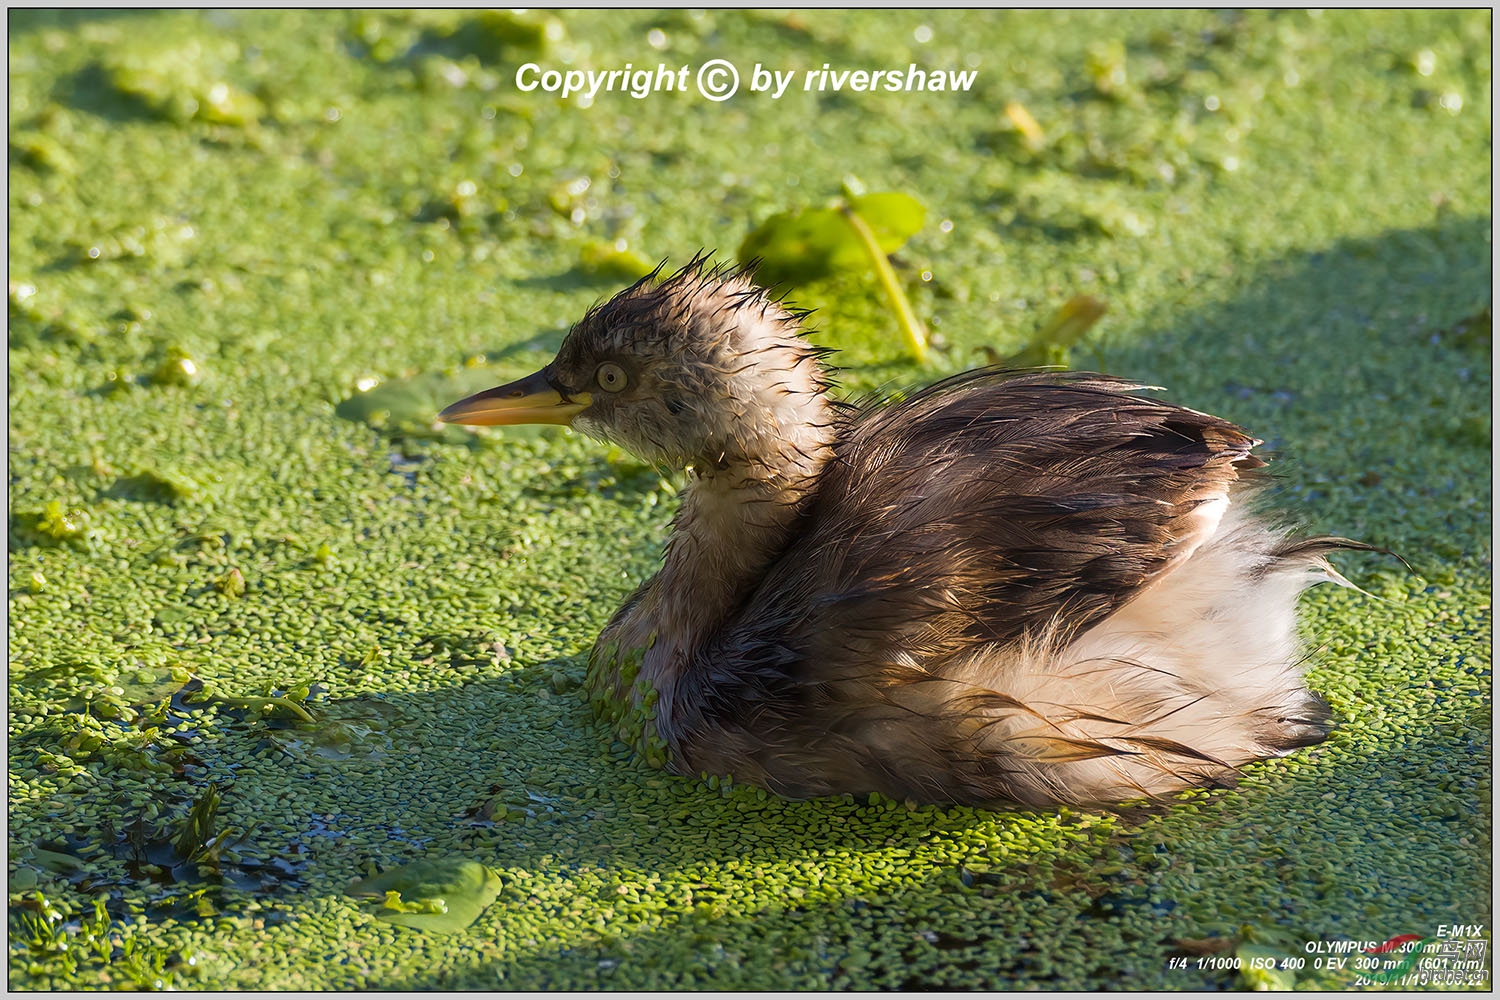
(1026, 588)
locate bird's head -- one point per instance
(703, 366)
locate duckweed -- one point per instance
(418, 595)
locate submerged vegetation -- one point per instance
(297, 685)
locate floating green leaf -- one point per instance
(408, 407)
(442, 895)
(807, 244)
(857, 231)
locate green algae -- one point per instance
(1289, 220)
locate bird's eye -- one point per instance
(610, 376)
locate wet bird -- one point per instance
(1029, 588)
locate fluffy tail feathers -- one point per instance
(1199, 674)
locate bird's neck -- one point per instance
(737, 517)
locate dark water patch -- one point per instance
(347, 729)
(405, 465)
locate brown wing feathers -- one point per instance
(1016, 504)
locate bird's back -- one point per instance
(1013, 502)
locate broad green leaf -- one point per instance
(892, 216)
(797, 246)
(441, 895)
(808, 244)
(408, 407)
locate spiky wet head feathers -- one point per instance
(704, 366)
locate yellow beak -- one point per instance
(531, 400)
